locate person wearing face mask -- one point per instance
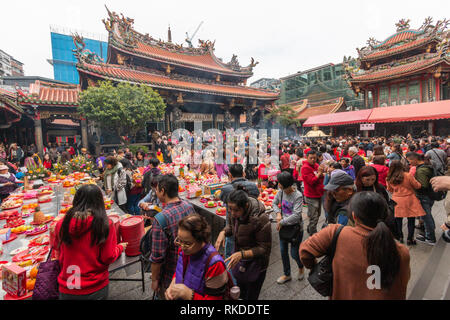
(340, 189)
(200, 273)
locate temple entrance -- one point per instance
(189, 126)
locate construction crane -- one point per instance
(189, 39)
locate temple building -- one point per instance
(194, 83)
(317, 91)
(405, 78)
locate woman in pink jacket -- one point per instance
(402, 185)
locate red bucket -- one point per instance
(131, 231)
(116, 221)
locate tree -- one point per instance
(123, 108)
(285, 115)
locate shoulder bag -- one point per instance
(289, 233)
(47, 287)
(321, 275)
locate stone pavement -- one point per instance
(301, 290)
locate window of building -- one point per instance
(327, 76)
(414, 92)
(384, 96)
(402, 94)
(394, 95)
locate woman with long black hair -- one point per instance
(368, 263)
(87, 245)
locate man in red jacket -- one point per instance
(312, 175)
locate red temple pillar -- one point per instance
(438, 89)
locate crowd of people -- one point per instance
(367, 185)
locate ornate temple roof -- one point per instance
(400, 69)
(304, 109)
(433, 56)
(399, 49)
(324, 107)
(123, 37)
(8, 101)
(121, 73)
(44, 93)
(404, 39)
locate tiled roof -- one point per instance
(397, 49)
(43, 93)
(65, 122)
(398, 71)
(399, 37)
(7, 93)
(296, 106)
(202, 62)
(329, 107)
(120, 73)
(8, 101)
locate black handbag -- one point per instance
(321, 275)
(245, 271)
(289, 233)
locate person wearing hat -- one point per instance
(8, 182)
(339, 189)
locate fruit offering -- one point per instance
(11, 204)
(9, 214)
(14, 222)
(44, 199)
(68, 184)
(30, 206)
(32, 194)
(21, 229)
(222, 211)
(36, 231)
(38, 217)
(39, 241)
(211, 204)
(64, 210)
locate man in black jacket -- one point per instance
(357, 161)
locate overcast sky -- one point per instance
(284, 36)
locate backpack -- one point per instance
(145, 245)
(228, 285)
(128, 185)
(437, 195)
(444, 166)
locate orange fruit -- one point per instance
(30, 284)
(34, 272)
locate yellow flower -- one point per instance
(30, 172)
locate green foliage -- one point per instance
(284, 114)
(123, 108)
(134, 149)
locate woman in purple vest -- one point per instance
(201, 273)
(8, 182)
